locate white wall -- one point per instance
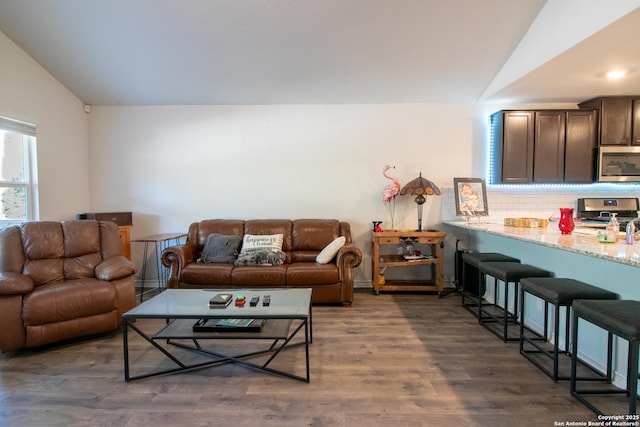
(29, 93)
(174, 165)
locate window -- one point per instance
(17, 172)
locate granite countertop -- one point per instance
(583, 240)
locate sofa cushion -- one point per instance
(221, 248)
(259, 276)
(81, 238)
(330, 251)
(314, 234)
(311, 273)
(44, 251)
(68, 300)
(199, 231)
(198, 273)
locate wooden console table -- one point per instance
(431, 240)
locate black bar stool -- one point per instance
(505, 272)
(620, 318)
(559, 292)
(475, 288)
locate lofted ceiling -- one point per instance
(205, 52)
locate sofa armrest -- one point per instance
(114, 268)
(348, 258)
(15, 284)
(175, 258)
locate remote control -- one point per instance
(254, 301)
(266, 300)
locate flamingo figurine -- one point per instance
(390, 191)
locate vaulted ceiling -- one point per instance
(193, 52)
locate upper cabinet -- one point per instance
(543, 146)
(512, 134)
(619, 122)
(580, 146)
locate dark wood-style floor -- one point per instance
(389, 360)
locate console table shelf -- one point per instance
(431, 240)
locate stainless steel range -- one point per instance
(600, 210)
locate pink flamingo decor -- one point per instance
(390, 192)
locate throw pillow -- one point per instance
(330, 251)
(220, 248)
(269, 257)
(266, 242)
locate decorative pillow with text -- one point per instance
(266, 242)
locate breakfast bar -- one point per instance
(579, 255)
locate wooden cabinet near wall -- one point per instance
(619, 119)
(543, 146)
(125, 238)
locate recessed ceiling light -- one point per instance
(616, 74)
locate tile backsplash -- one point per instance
(535, 201)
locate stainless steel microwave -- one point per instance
(619, 164)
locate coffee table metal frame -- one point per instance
(288, 314)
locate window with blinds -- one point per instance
(17, 172)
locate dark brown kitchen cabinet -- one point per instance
(580, 146)
(512, 133)
(636, 121)
(543, 146)
(616, 118)
(549, 144)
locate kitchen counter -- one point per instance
(583, 240)
(579, 255)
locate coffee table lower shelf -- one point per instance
(278, 331)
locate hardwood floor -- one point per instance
(392, 359)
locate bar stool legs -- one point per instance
(617, 317)
(507, 273)
(560, 292)
(474, 281)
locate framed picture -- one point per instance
(471, 197)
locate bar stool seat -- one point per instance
(620, 318)
(560, 292)
(505, 272)
(470, 261)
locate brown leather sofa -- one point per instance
(303, 240)
(61, 280)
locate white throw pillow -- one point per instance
(330, 251)
(259, 242)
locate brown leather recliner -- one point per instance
(61, 280)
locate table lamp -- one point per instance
(420, 187)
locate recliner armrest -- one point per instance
(15, 284)
(114, 268)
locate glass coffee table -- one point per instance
(288, 313)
